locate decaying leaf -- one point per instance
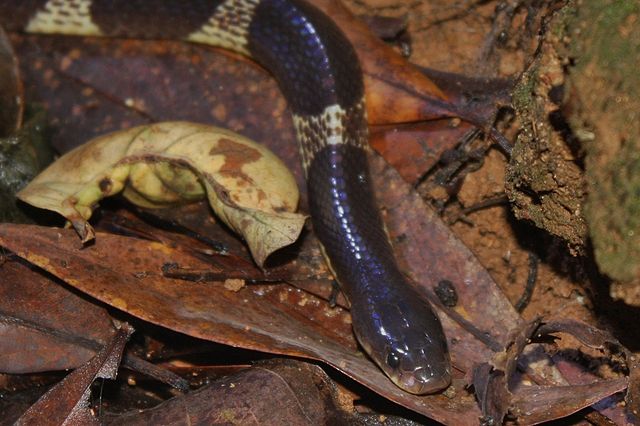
(247, 186)
(303, 393)
(125, 273)
(533, 404)
(67, 402)
(44, 326)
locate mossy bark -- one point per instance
(604, 105)
(544, 181)
(581, 98)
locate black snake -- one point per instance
(319, 74)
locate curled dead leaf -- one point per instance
(161, 164)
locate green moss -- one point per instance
(562, 21)
(606, 45)
(522, 96)
(614, 211)
(611, 48)
(543, 182)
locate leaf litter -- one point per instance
(473, 303)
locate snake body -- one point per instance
(319, 74)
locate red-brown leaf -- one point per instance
(67, 402)
(45, 326)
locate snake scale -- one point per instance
(319, 74)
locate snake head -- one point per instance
(418, 370)
(407, 342)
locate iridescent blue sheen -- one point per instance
(312, 60)
(389, 316)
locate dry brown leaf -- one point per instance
(247, 186)
(126, 273)
(43, 325)
(68, 401)
(534, 404)
(303, 393)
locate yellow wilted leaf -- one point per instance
(247, 186)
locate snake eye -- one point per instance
(393, 360)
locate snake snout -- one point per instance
(424, 380)
(423, 370)
(429, 382)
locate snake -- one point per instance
(319, 74)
